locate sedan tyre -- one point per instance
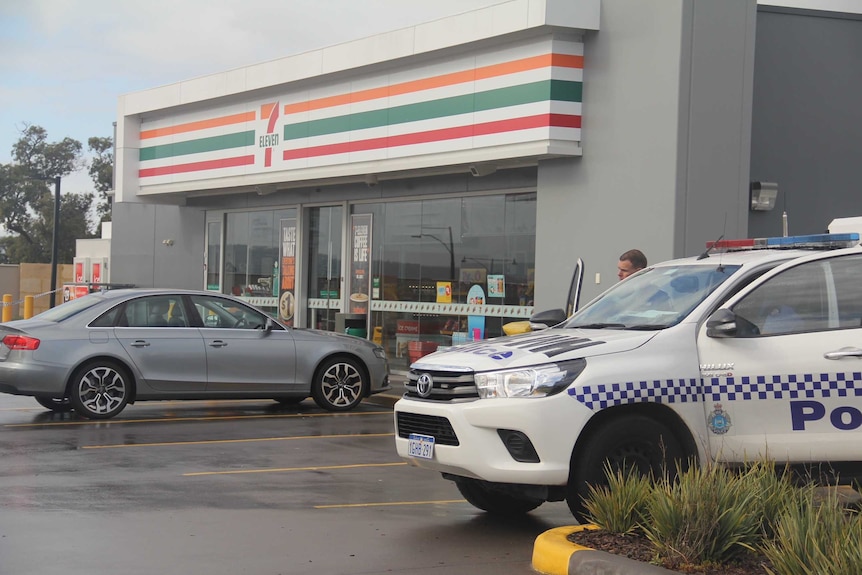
(55, 404)
(100, 390)
(339, 384)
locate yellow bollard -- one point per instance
(7, 307)
(28, 306)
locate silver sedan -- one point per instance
(100, 352)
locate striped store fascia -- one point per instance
(472, 103)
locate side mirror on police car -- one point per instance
(545, 319)
(721, 324)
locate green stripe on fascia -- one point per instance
(560, 90)
(212, 144)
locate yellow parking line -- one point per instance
(251, 440)
(344, 505)
(201, 418)
(315, 468)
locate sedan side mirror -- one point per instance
(270, 324)
(545, 319)
(721, 324)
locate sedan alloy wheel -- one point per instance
(100, 390)
(339, 385)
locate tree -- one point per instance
(27, 199)
(102, 172)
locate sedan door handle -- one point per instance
(843, 352)
(140, 343)
(218, 343)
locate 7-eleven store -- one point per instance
(437, 182)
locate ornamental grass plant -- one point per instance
(816, 537)
(619, 506)
(707, 515)
(713, 515)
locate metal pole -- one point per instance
(56, 240)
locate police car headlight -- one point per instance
(535, 381)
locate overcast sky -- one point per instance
(65, 62)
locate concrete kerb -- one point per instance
(554, 554)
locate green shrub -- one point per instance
(775, 492)
(707, 515)
(814, 537)
(619, 506)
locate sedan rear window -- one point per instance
(70, 308)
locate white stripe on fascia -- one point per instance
(199, 157)
(259, 127)
(202, 175)
(382, 132)
(498, 114)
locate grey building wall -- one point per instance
(807, 120)
(666, 135)
(157, 245)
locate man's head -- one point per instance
(630, 262)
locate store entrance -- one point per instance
(325, 239)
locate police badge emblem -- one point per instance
(718, 421)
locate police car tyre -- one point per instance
(55, 404)
(339, 384)
(100, 389)
(486, 498)
(635, 441)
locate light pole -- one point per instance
(56, 240)
(449, 248)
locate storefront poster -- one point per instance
(360, 265)
(287, 295)
(444, 292)
(476, 323)
(496, 286)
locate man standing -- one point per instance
(630, 262)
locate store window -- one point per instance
(446, 271)
(252, 255)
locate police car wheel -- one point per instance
(484, 496)
(637, 442)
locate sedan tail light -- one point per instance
(22, 342)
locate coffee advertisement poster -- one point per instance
(360, 266)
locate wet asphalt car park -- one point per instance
(254, 487)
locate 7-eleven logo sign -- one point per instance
(269, 140)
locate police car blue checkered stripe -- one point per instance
(746, 388)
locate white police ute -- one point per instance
(751, 350)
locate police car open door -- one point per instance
(780, 365)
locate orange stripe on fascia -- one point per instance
(200, 125)
(493, 71)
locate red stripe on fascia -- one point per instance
(483, 129)
(197, 166)
(267, 158)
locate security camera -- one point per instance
(479, 170)
(370, 180)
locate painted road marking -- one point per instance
(201, 418)
(222, 441)
(390, 503)
(283, 469)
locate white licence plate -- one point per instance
(421, 446)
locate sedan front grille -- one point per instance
(437, 427)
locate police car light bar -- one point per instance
(815, 241)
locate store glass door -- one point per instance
(324, 266)
(212, 257)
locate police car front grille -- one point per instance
(437, 427)
(447, 385)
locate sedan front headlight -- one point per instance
(534, 381)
